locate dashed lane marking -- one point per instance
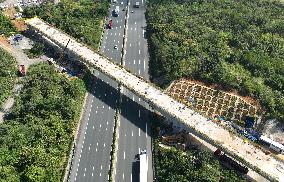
(139, 131)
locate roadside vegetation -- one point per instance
(81, 19)
(6, 27)
(8, 75)
(236, 44)
(35, 139)
(173, 164)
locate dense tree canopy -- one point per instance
(8, 71)
(6, 27)
(81, 19)
(40, 127)
(238, 44)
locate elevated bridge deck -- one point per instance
(166, 105)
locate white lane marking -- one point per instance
(116, 28)
(113, 40)
(146, 129)
(139, 61)
(100, 174)
(93, 168)
(135, 28)
(135, 23)
(97, 143)
(139, 114)
(132, 99)
(134, 61)
(96, 149)
(131, 173)
(144, 64)
(139, 99)
(139, 150)
(110, 33)
(106, 129)
(139, 43)
(84, 174)
(139, 71)
(124, 155)
(142, 1)
(118, 34)
(107, 122)
(92, 174)
(139, 131)
(123, 175)
(101, 167)
(93, 127)
(118, 42)
(104, 145)
(89, 147)
(97, 107)
(131, 28)
(96, 112)
(116, 21)
(103, 106)
(139, 51)
(100, 125)
(108, 107)
(114, 34)
(129, 44)
(119, 26)
(132, 133)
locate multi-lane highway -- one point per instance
(92, 152)
(92, 157)
(134, 132)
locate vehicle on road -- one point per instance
(110, 24)
(22, 70)
(137, 4)
(114, 1)
(143, 166)
(115, 11)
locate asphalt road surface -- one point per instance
(92, 155)
(134, 131)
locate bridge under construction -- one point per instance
(177, 112)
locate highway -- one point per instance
(92, 157)
(134, 131)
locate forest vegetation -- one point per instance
(8, 75)
(173, 164)
(40, 126)
(6, 27)
(81, 19)
(237, 44)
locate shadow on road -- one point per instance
(135, 171)
(129, 109)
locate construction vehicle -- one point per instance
(173, 139)
(22, 70)
(231, 162)
(143, 166)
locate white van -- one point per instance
(136, 5)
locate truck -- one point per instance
(143, 166)
(22, 70)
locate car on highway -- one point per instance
(136, 5)
(115, 11)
